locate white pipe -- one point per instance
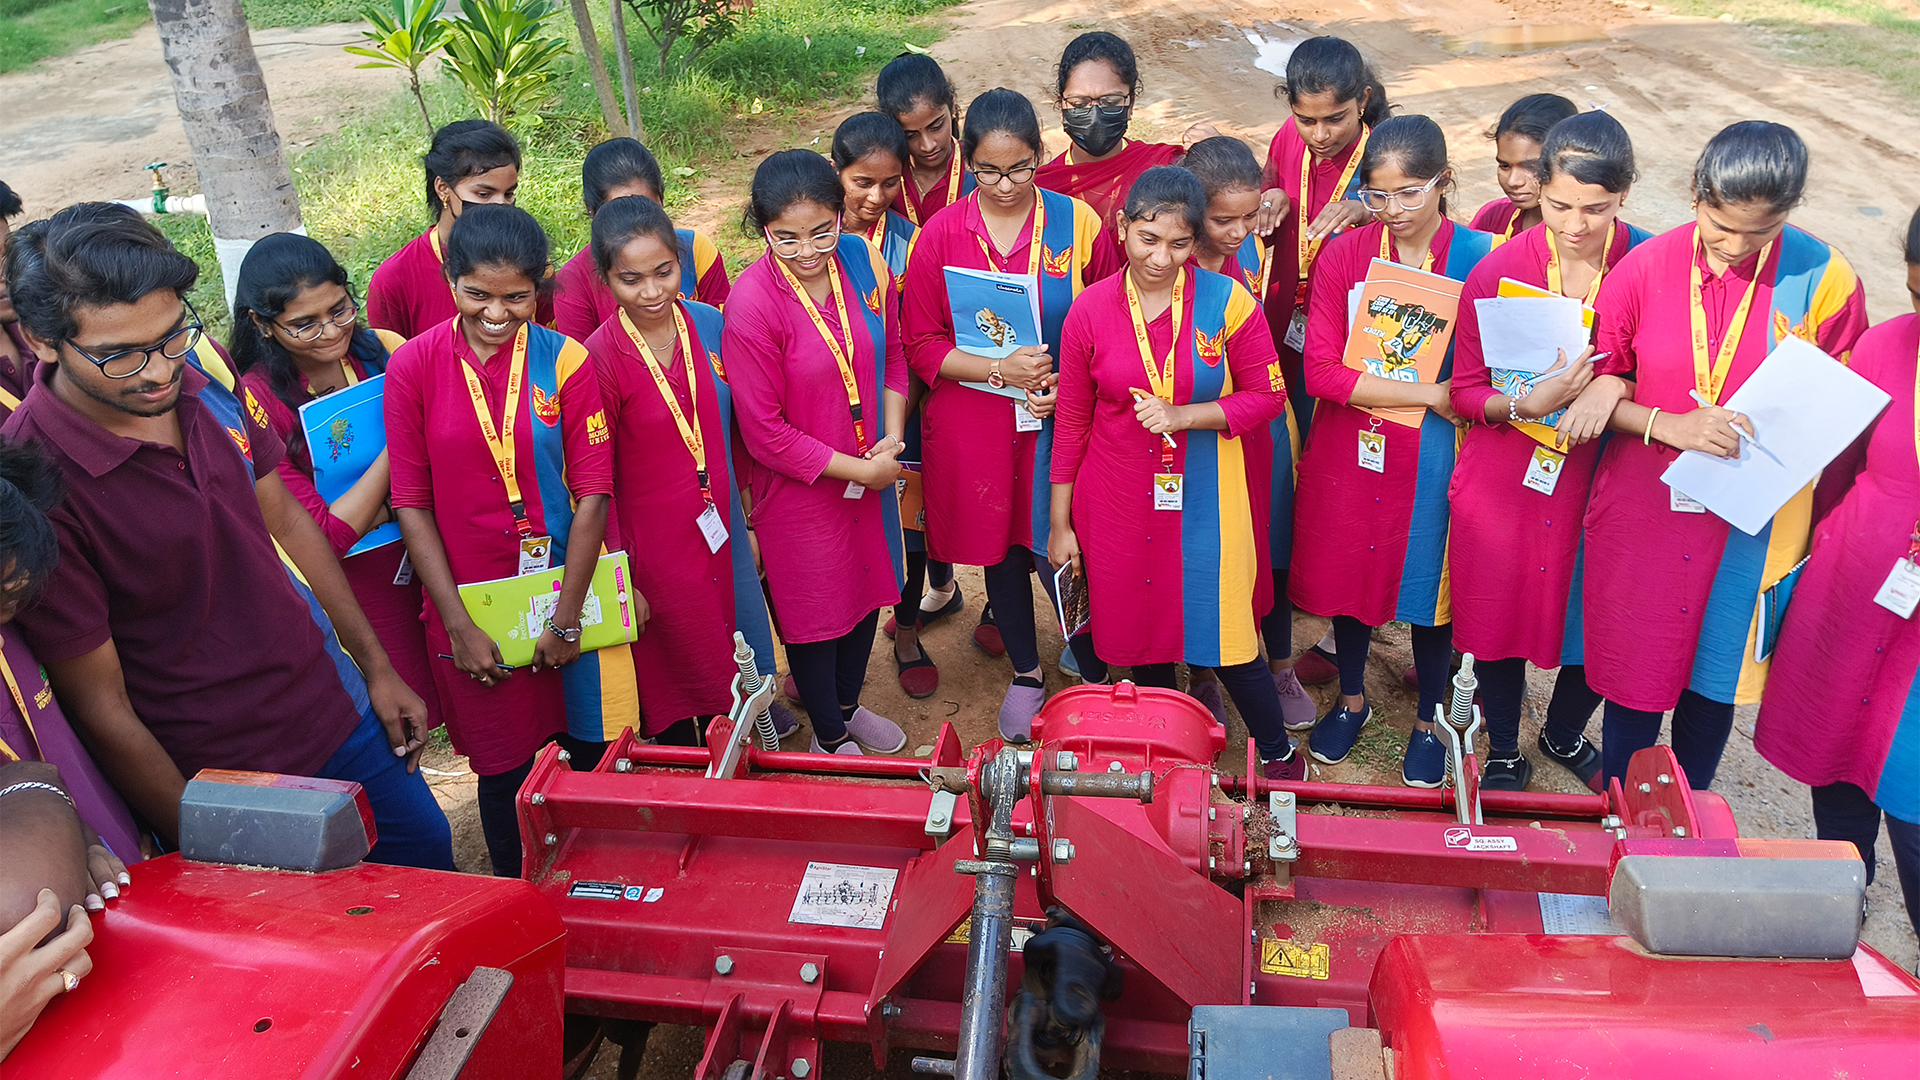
(174, 204)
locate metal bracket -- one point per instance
(1284, 845)
(940, 814)
(461, 1025)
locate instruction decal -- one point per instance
(834, 894)
(1295, 960)
(1464, 838)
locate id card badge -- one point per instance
(536, 554)
(1543, 472)
(1296, 336)
(854, 490)
(1901, 592)
(1168, 491)
(712, 529)
(404, 575)
(1681, 503)
(1023, 418)
(1373, 451)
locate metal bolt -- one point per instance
(1646, 789)
(1284, 797)
(1664, 779)
(1247, 867)
(1212, 863)
(623, 765)
(723, 964)
(565, 756)
(1213, 813)
(538, 799)
(1680, 830)
(1619, 834)
(1114, 766)
(1062, 850)
(801, 1068)
(1246, 813)
(809, 973)
(1283, 841)
(890, 1011)
(937, 820)
(552, 839)
(1611, 821)
(1066, 761)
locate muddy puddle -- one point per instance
(1514, 40)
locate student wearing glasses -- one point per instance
(812, 347)
(296, 337)
(173, 634)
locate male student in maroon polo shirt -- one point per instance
(174, 636)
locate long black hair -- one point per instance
(1414, 143)
(1222, 163)
(910, 79)
(1110, 49)
(1753, 161)
(1912, 250)
(868, 133)
(1332, 65)
(1168, 189)
(1533, 116)
(275, 272)
(496, 235)
(1592, 148)
(29, 487)
(623, 220)
(1001, 111)
(10, 204)
(785, 179)
(88, 255)
(466, 148)
(616, 162)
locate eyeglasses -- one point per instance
(792, 248)
(1409, 198)
(345, 314)
(992, 177)
(127, 363)
(1111, 101)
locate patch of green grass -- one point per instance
(191, 237)
(302, 12)
(32, 30)
(1879, 37)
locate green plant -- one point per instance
(405, 35)
(697, 23)
(498, 54)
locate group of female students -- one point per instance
(1185, 433)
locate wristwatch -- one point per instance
(994, 378)
(571, 637)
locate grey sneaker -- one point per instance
(876, 732)
(1017, 711)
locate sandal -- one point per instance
(919, 677)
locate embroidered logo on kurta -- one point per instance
(873, 299)
(1209, 348)
(240, 440)
(1253, 280)
(1056, 265)
(719, 369)
(339, 437)
(597, 428)
(44, 698)
(544, 407)
(1276, 382)
(255, 410)
(1782, 328)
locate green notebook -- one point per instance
(514, 610)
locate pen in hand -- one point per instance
(502, 667)
(1737, 429)
(1167, 436)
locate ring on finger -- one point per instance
(68, 980)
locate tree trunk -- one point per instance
(223, 105)
(623, 52)
(597, 63)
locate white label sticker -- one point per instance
(654, 895)
(404, 575)
(834, 894)
(712, 529)
(1568, 913)
(1901, 591)
(1681, 503)
(1464, 838)
(1296, 338)
(1373, 451)
(1543, 472)
(855, 490)
(1023, 418)
(1168, 491)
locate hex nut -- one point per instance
(1646, 789)
(801, 1068)
(1066, 761)
(809, 974)
(537, 799)
(723, 964)
(552, 839)
(623, 765)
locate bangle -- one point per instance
(35, 785)
(1647, 439)
(1513, 408)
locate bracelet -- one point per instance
(1513, 408)
(35, 785)
(1647, 439)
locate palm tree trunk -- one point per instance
(223, 105)
(623, 52)
(597, 63)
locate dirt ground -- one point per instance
(81, 127)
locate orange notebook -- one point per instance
(1401, 327)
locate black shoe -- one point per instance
(1508, 773)
(1582, 761)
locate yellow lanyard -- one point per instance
(1033, 244)
(953, 185)
(1553, 268)
(500, 443)
(1387, 252)
(7, 400)
(841, 356)
(1159, 378)
(1310, 251)
(19, 702)
(689, 431)
(1710, 374)
(1514, 223)
(346, 372)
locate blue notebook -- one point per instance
(346, 431)
(993, 314)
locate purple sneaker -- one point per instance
(1208, 694)
(1291, 767)
(1021, 705)
(785, 721)
(850, 747)
(875, 732)
(1297, 710)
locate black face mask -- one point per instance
(1096, 129)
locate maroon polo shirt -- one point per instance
(16, 373)
(225, 659)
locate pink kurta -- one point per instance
(684, 657)
(1104, 184)
(1497, 217)
(582, 302)
(1841, 704)
(1323, 186)
(827, 556)
(1649, 569)
(1141, 579)
(1514, 551)
(409, 293)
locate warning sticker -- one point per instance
(834, 894)
(1464, 838)
(1565, 913)
(963, 933)
(1294, 959)
(596, 890)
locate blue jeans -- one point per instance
(413, 829)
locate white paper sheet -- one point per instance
(1528, 333)
(1805, 407)
(835, 894)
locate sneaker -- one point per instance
(1425, 764)
(986, 636)
(850, 747)
(1582, 761)
(1509, 772)
(876, 732)
(1068, 663)
(1291, 767)
(1297, 710)
(1334, 736)
(1017, 710)
(1208, 693)
(1314, 669)
(785, 720)
(790, 690)
(1411, 680)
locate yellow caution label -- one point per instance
(1291, 958)
(963, 933)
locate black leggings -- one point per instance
(1700, 729)
(1276, 627)
(1251, 686)
(1432, 659)
(500, 821)
(1503, 686)
(1010, 595)
(830, 674)
(1844, 811)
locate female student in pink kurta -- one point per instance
(1370, 515)
(1670, 590)
(918, 95)
(1517, 140)
(1520, 487)
(1098, 87)
(479, 501)
(582, 303)
(986, 452)
(1164, 371)
(297, 337)
(812, 347)
(1847, 635)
